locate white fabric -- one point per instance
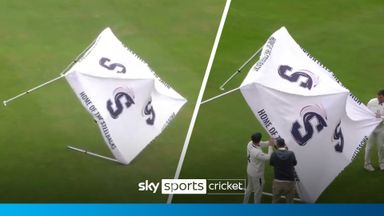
(255, 185)
(378, 110)
(376, 107)
(256, 159)
(255, 170)
(295, 97)
(130, 103)
(377, 137)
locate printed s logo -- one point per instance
(308, 113)
(312, 79)
(338, 136)
(121, 94)
(149, 111)
(111, 66)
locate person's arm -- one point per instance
(380, 115)
(371, 105)
(267, 143)
(263, 144)
(272, 160)
(294, 162)
(263, 156)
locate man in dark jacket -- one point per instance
(283, 162)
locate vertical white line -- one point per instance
(201, 93)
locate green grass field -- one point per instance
(37, 40)
(346, 36)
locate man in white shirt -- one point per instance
(376, 105)
(255, 168)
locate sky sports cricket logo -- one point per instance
(194, 186)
